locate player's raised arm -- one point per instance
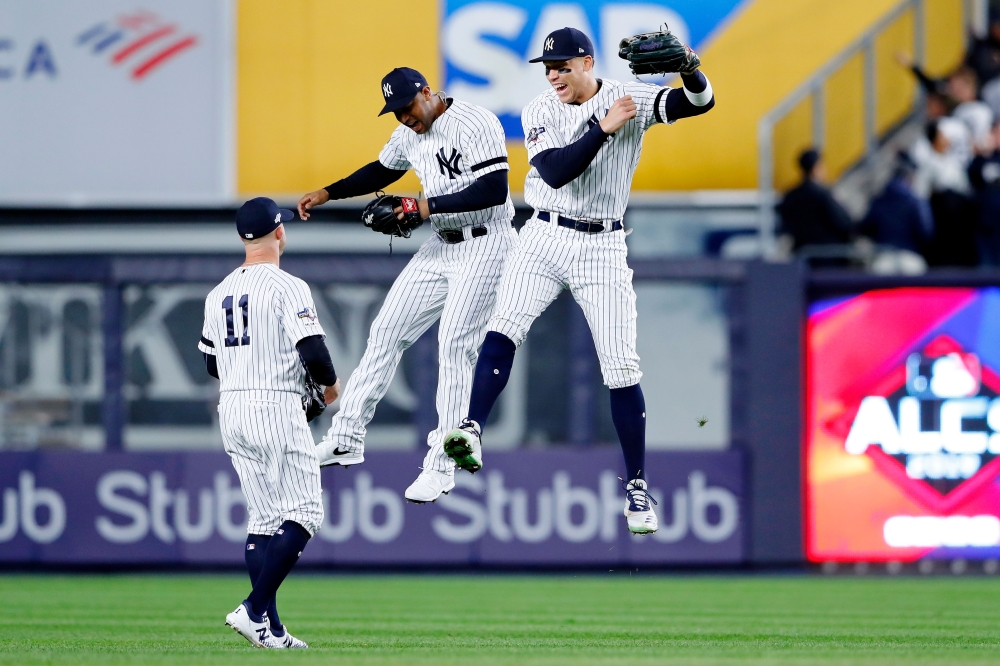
(662, 53)
(370, 178)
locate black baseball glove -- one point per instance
(313, 402)
(379, 215)
(658, 53)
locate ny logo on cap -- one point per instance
(386, 90)
(277, 218)
(550, 44)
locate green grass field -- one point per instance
(492, 619)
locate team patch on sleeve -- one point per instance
(307, 313)
(534, 135)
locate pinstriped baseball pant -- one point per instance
(594, 267)
(454, 282)
(266, 436)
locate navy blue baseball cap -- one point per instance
(565, 44)
(259, 217)
(399, 87)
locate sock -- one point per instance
(254, 555)
(282, 553)
(492, 373)
(628, 411)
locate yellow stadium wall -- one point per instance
(308, 94)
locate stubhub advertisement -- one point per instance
(525, 508)
(903, 441)
(487, 45)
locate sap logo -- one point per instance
(487, 46)
(21, 505)
(168, 513)
(40, 60)
(141, 41)
(576, 514)
(357, 510)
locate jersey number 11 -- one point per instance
(227, 305)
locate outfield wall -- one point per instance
(527, 508)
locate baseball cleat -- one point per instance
(464, 447)
(258, 633)
(290, 642)
(332, 453)
(430, 485)
(638, 512)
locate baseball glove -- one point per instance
(313, 402)
(658, 53)
(379, 215)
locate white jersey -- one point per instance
(253, 320)
(464, 143)
(601, 191)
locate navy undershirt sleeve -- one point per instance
(316, 357)
(369, 178)
(211, 365)
(485, 192)
(559, 166)
(677, 105)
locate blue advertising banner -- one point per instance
(525, 508)
(487, 44)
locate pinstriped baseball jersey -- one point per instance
(601, 191)
(463, 143)
(253, 320)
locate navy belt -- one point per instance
(453, 236)
(579, 225)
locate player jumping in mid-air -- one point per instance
(260, 329)
(459, 153)
(583, 137)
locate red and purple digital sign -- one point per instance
(903, 425)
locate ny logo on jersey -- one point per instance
(550, 44)
(387, 90)
(449, 163)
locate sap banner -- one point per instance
(525, 508)
(487, 44)
(109, 102)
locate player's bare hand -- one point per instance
(425, 211)
(317, 198)
(332, 392)
(622, 111)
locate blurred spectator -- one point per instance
(963, 88)
(940, 106)
(984, 175)
(942, 177)
(900, 223)
(809, 213)
(984, 54)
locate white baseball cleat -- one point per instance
(463, 445)
(258, 633)
(429, 486)
(331, 453)
(290, 642)
(638, 509)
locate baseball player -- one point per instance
(459, 153)
(584, 136)
(260, 330)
